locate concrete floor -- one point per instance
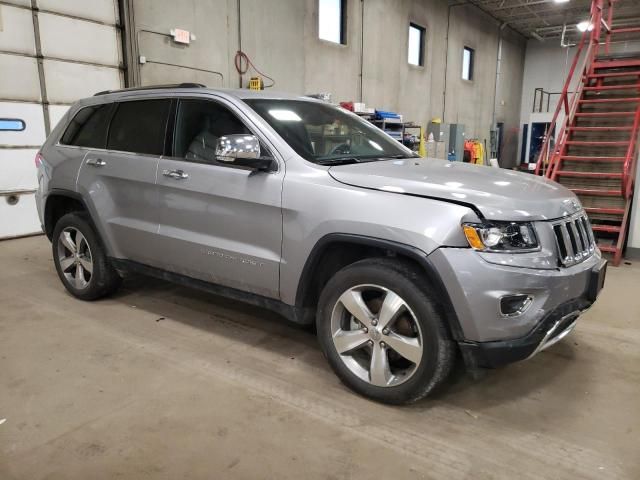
(164, 382)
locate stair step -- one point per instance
(612, 128)
(605, 210)
(596, 192)
(606, 228)
(611, 100)
(634, 73)
(596, 143)
(569, 173)
(618, 55)
(601, 88)
(605, 114)
(607, 248)
(615, 63)
(580, 158)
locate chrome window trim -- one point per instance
(207, 96)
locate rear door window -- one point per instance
(139, 126)
(89, 127)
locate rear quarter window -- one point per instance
(89, 127)
(139, 126)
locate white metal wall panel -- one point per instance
(56, 112)
(31, 114)
(68, 82)
(22, 220)
(82, 41)
(16, 30)
(17, 211)
(24, 3)
(23, 171)
(19, 78)
(100, 10)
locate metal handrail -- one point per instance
(547, 161)
(630, 163)
(564, 102)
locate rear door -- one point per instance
(218, 223)
(119, 181)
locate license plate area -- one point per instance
(596, 280)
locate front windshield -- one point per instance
(325, 134)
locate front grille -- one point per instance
(574, 239)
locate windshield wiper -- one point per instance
(402, 156)
(338, 161)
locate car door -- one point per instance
(218, 222)
(119, 181)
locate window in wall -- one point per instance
(199, 125)
(416, 44)
(11, 125)
(468, 55)
(139, 127)
(332, 20)
(89, 127)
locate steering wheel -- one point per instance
(341, 149)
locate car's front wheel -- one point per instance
(382, 332)
(80, 259)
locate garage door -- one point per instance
(52, 53)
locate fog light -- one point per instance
(512, 305)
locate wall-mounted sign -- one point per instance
(181, 36)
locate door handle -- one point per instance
(176, 174)
(96, 162)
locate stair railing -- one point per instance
(630, 161)
(568, 102)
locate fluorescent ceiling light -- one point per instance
(560, 1)
(584, 26)
(285, 115)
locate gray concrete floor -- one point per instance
(164, 382)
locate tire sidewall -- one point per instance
(407, 285)
(99, 275)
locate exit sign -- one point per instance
(181, 36)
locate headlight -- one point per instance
(501, 236)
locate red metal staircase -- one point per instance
(596, 150)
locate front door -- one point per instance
(119, 181)
(218, 223)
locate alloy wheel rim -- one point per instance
(74, 258)
(376, 335)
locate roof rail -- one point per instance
(153, 87)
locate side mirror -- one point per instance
(242, 150)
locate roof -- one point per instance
(544, 19)
(239, 93)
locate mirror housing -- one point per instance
(242, 150)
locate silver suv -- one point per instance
(301, 207)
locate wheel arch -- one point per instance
(60, 202)
(337, 250)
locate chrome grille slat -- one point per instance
(574, 239)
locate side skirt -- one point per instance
(291, 313)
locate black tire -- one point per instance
(438, 350)
(103, 280)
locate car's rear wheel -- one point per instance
(382, 331)
(80, 259)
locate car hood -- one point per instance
(497, 193)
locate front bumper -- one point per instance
(475, 287)
(553, 328)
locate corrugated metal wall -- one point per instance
(52, 53)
